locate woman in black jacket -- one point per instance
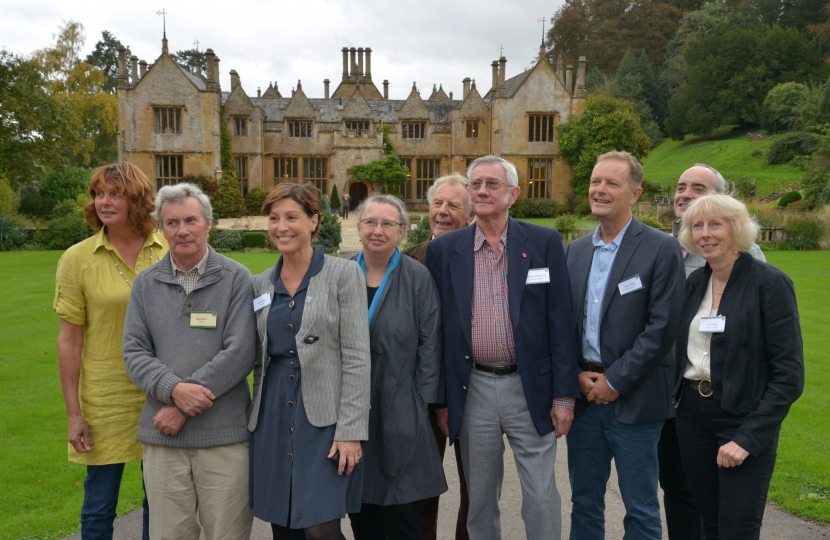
(740, 367)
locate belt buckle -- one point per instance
(704, 388)
(499, 370)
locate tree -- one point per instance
(335, 199)
(329, 235)
(228, 201)
(65, 185)
(386, 170)
(254, 200)
(779, 105)
(193, 59)
(607, 124)
(105, 58)
(730, 72)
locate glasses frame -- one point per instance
(381, 223)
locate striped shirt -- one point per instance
(189, 279)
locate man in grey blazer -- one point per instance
(627, 284)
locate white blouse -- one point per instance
(697, 350)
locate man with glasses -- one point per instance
(509, 350)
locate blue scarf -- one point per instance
(393, 263)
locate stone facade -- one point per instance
(169, 126)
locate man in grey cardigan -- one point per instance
(189, 341)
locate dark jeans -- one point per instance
(429, 507)
(101, 488)
(730, 500)
(393, 522)
(682, 517)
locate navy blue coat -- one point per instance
(540, 314)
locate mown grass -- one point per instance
(731, 154)
(42, 491)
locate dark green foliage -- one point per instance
(329, 232)
(193, 59)
(228, 240)
(207, 184)
(540, 208)
(650, 221)
(225, 156)
(566, 225)
(34, 205)
(816, 185)
(64, 232)
(789, 145)
(335, 199)
(12, 235)
(420, 234)
(805, 232)
(650, 190)
(563, 209)
(518, 210)
(386, 170)
(228, 201)
(788, 198)
(778, 109)
(65, 208)
(388, 146)
(731, 70)
(253, 239)
(254, 200)
(66, 184)
(105, 57)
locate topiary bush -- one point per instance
(254, 200)
(805, 232)
(335, 199)
(228, 240)
(540, 208)
(329, 234)
(518, 210)
(797, 143)
(789, 198)
(66, 231)
(253, 239)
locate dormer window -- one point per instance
(358, 126)
(299, 128)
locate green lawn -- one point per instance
(42, 492)
(731, 155)
(581, 223)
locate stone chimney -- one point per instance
(466, 83)
(502, 65)
(352, 64)
(385, 89)
(580, 79)
(495, 66)
(360, 63)
(569, 79)
(345, 63)
(134, 69)
(234, 80)
(559, 68)
(258, 92)
(142, 69)
(211, 74)
(326, 88)
(450, 96)
(217, 86)
(369, 64)
(123, 78)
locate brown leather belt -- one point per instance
(497, 369)
(595, 368)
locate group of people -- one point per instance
(676, 355)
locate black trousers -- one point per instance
(393, 522)
(682, 517)
(730, 500)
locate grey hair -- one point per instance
(509, 169)
(454, 179)
(385, 199)
(721, 186)
(635, 168)
(177, 194)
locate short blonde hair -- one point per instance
(744, 227)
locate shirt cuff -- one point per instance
(609, 385)
(564, 402)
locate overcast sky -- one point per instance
(428, 41)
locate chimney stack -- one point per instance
(211, 74)
(234, 80)
(569, 79)
(258, 92)
(502, 65)
(466, 83)
(450, 96)
(142, 69)
(326, 88)
(495, 66)
(360, 63)
(385, 89)
(216, 72)
(123, 78)
(369, 64)
(580, 79)
(559, 69)
(352, 64)
(345, 63)
(134, 69)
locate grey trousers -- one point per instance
(496, 407)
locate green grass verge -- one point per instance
(731, 155)
(801, 483)
(43, 492)
(581, 223)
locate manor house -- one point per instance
(169, 125)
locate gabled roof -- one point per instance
(357, 107)
(271, 92)
(414, 106)
(238, 99)
(299, 106)
(438, 95)
(473, 102)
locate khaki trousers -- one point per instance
(210, 482)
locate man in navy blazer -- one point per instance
(509, 350)
(628, 283)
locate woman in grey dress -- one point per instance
(401, 460)
(311, 377)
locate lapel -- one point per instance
(583, 257)
(314, 297)
(462, 274)
(519, 255)
(627, 248)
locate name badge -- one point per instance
(202, 319)
(630, 285)
(712, 325)
(262, 301)
(538, 275)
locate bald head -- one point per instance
(696, 182)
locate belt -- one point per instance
(497, 369)
(703, 387)
(595, 368)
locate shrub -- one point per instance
(65, 185)
(206, 183)
(805, 232)
(228, 201)
(582, 208)
(566, 225)
(789, 145)
(650, 221)
(65, 208)
(9, 200)
(778, 108)
(228, 240)
(12, 235)
(254, 200)
(335, 199)
(788, 198)
(518, 210)
(253, 239)
(816, 185)
(420, 234)
(66, 231)
(540, 208)
(562, 209)
(37, 206)
(329, 234)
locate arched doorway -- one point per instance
(358, 191)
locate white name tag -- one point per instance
(712, 325)
(262, 301)
(538, 275)
(630, 285)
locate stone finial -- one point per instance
(414, 89)
(299, 85)
(164, 49)
(473, 85)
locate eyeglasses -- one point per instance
(386, 225)
(491, 185)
